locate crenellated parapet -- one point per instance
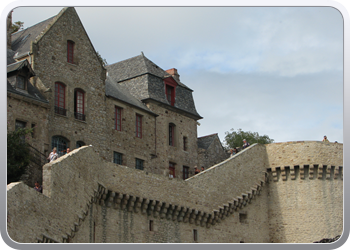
(307, 171)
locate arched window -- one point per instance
(60, 143)
(79, 144)
(79, 99)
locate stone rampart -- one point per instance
(237, 200)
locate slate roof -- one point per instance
(31, 92)
(117, 91)
(21, 40)
(137, 66)
(205, 141)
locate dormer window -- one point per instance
(170, 90)
(21, 82)
(70, 51)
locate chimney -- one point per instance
(174, 73)
(9, 29)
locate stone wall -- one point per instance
(214, 154)
(85, 73)
(83, 196)
(305, 191)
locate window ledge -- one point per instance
(61, 115)
(77, 120)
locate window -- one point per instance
(186, 172)
(170, 90)
(195, 235)
(60, 143)
(170, 94)
(20, 125)
(151, 225)
(79, 105)
(118, 158)
(70, 51)
(60, 99)
(243, 217)
(139, 164)
(21, 82)
(172, 134)
(79, 144)
(171, 170)
(118, 118)
(185, 143)
(139, 126)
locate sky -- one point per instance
(277, 71)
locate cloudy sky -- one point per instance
(273, 70)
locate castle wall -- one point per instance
(87, 199)
(305, 191)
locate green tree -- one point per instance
(18, 154)
(235, 138)
(16, 26)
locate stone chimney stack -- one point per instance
(174, 73)
(9, 29)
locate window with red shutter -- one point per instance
(79, 105)
(118, 119)
(60, 99)
(139, 126)
(70, 51)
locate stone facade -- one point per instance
(136, 86)
(210, 151)
(237, 200)
(141, 113)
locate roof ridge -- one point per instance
(15, 33)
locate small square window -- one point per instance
(118, 158)
(243, 218)
(139, 164)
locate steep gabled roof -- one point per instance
(205, 141)
(118, 92)
(137, 66)
(21, 40)
(19, 65)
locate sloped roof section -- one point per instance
(21, 40)
(137, 66)
(19, 65)
(31, 93)
(205, 141)
(118, 92)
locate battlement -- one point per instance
(81, 183)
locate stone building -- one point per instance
(135, 116)
(210, 151)
(133, 112)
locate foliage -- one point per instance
(235, 138)
(18, 154)
(103, 61)
(16, 26)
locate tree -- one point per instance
(18, 154)
(235, 138)
(16, 26)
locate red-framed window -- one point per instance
(171, 134)
(79, 100)
(170, 94)
(118, 118)
(60, 99)
(70, 51)
(170, 89)
(138, 126)
(171, 170)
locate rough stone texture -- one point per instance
(210, 151)
(87, 199)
